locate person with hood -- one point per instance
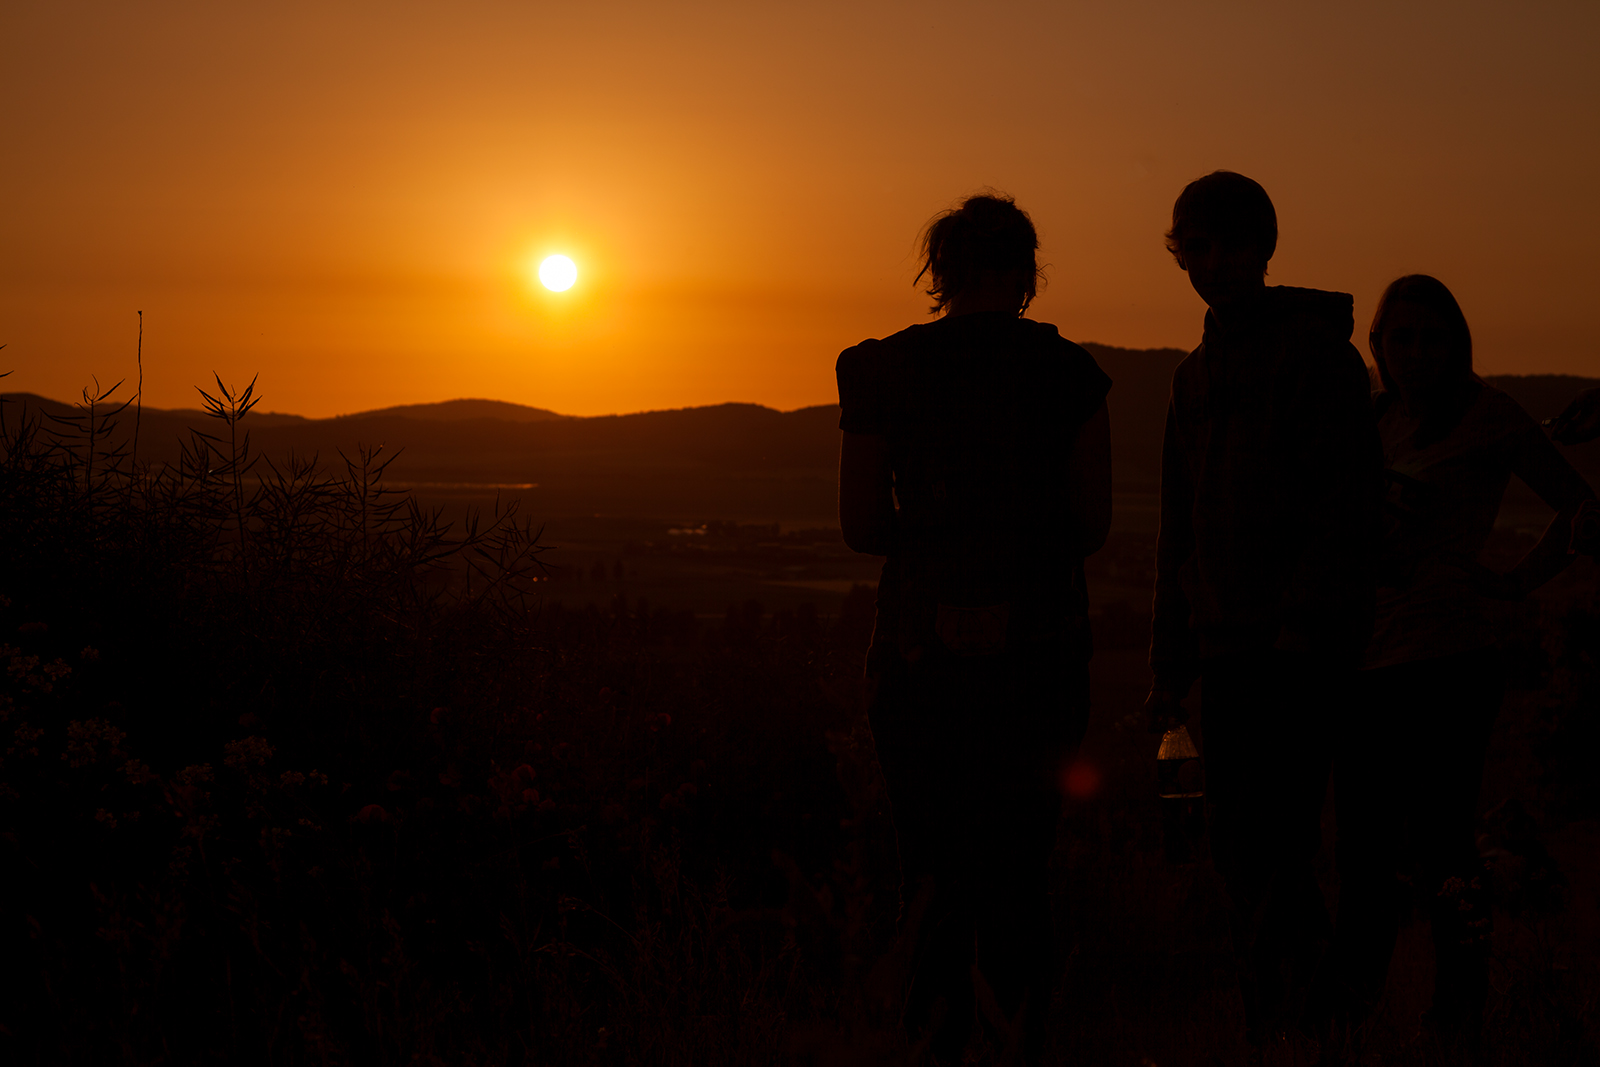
(1411, 751)
(976, 456)
(1264, 592)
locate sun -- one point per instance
(558, 273)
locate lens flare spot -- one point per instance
(558, 273)
(1080, 779)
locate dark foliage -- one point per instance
(294, 772)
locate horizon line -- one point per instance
(395, 410)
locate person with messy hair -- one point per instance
(1411, 749)
(976, 457)
(1269, 492)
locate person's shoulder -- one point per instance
(866, 356)
(918, 333)
(1320, 323)
(1047, 333)
(1041, 339)
(867, 374)
(1067, 356)
(1046, 336)
(1320, 313)
(1315, 315)
(1495, 407)
(860, 371)
(859, 354)
(1190, 373)
(877, 349)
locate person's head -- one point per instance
(1420, 340)
(986, 243)
(1224, 231)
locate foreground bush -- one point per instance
(295, 772)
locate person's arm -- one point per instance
(1547, 472)
(1586, 529)
(1580, 422)
(1089, 483)
(1172, 639)
(866, 480)
(866, 493)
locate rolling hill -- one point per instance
(737, 461)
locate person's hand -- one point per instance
(1580, 422)
(1164, 711)
(1493, 584)
(1586, 529)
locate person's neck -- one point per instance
(1229, 315)
(991, 298)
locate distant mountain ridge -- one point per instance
(439, 411)
(731, 461)
(456, 410)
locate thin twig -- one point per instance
(138, 411)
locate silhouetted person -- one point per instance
(991, 432)
(1263, 591)
(1411, 749)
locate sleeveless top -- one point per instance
(1441, 505)
(980, 413)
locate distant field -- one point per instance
(609, 489)
(738, 462)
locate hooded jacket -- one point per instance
(1271, 476)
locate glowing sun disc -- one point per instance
(558, 273)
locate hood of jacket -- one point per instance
(1317, 313)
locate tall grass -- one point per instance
(295, 772)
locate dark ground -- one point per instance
(1149, 978)
(281, 786)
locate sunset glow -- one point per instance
(561, 533)
(353, 202)
(558, 273)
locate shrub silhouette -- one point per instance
(294, 771)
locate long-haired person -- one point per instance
(1412, 752)
(976, 457)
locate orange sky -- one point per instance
(346, 197)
